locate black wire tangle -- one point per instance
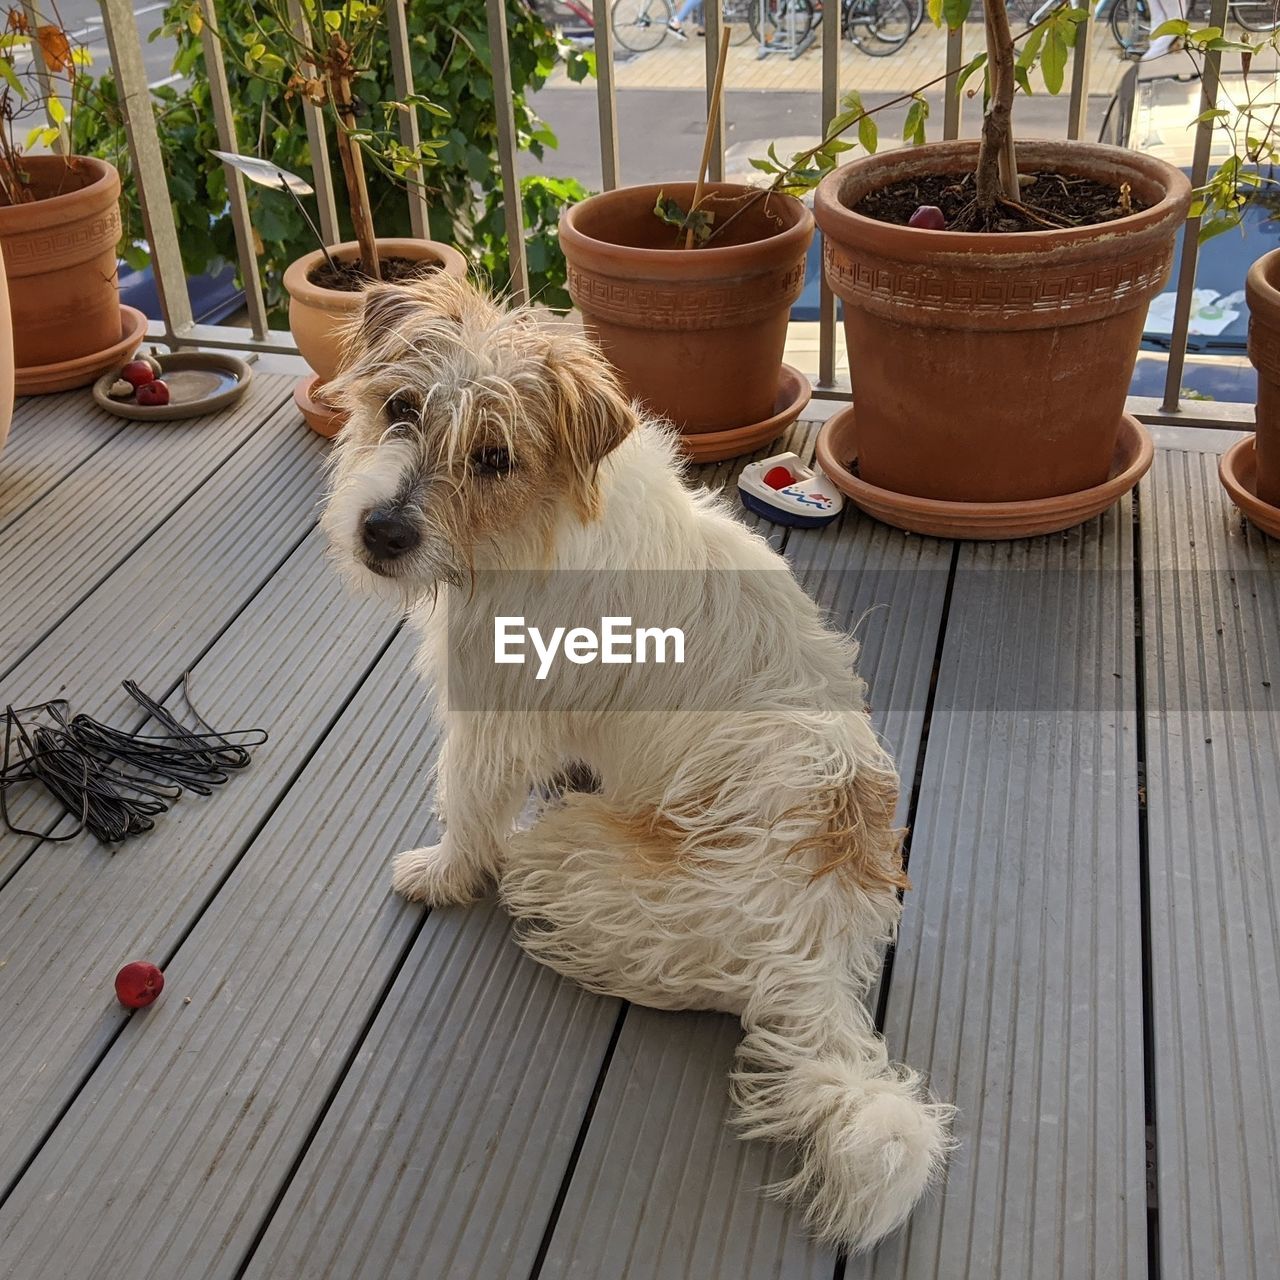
(115, 782)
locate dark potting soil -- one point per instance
(1049, 201)
(351, 277)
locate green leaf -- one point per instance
(10, 78)
(974, 66)
(57, 112)
(913, 126)
(1023, 78)
(935, 12)
(1174, 27)
(955, 13)
(1030, 48)
(765, 166)
(1053, 62)
(868, 134)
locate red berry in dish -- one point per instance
(153, 393)
(138, 372)
(139, 984)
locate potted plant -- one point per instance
(1250, 469)
(994, 297)
(59, 222)
(688, 288)
(322, 60)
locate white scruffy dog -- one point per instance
(739, 852)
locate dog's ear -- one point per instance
(594, 416)
(438, 296)
(385, 308)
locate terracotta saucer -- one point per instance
(66, 375)
(1238, 472)
(199, 382)
(987, 521)
(321, 418)
(715, 446)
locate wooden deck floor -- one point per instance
(336, 1084)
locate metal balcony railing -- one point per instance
(180, 329)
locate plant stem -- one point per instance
(353, 172)
(713, 115)
(804, 157)
(997, 172)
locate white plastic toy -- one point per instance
(784, 490)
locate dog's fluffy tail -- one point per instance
(868, 1138)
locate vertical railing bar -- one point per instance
(1123, 112)
(951, 95)
(712, 23)
(318, 144)
(1078, 108)
(606, 97)
(125, 47)
(500, 55)
(225, 124)
(830, 106)
(1191, 228)
(44, 76)
(402, 76)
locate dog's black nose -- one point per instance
(388, 533)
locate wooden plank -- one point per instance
(282, 972)
(1017, 983)
(73, 913)
(82, 529)
(50, 437)
(1211, 632)
(159, 610)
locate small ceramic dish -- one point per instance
(199, 382)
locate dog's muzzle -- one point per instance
(389, 533)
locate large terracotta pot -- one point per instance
(988, 367)
(1262, 288)
(317, 316)
(60, 257)
(697, 334)
(6, 358)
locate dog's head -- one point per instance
(470, 430)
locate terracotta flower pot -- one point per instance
(994, 368)
(60, 257)
(317, 315)
(1262, 288)
(6, 359)
(697, 334)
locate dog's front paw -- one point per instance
(435, 876)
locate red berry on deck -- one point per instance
(153, 393)
(928, 216)
(137, 372)
(138, 984)
(778, 477)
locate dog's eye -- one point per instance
(403, 412)
(491, 462)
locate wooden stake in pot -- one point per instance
(717, 92)
(340, 75)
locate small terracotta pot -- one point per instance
(6, 359)
(1262, 288)
(60, 257)
(697, 334)
(989, 367)
(317, 316)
